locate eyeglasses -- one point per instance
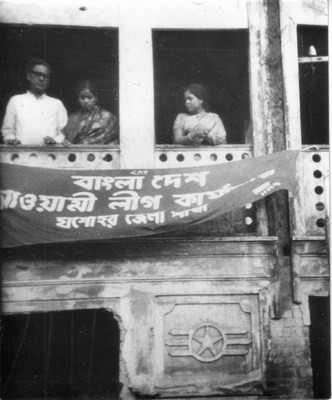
(40, 75)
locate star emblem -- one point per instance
(207, 343)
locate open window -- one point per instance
(313, 75)
(75, 53)
(217, 59)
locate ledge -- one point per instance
(58, 147)
(58, 156)
(308, 238)
(315, 147)
(148, 247)
(106, 157)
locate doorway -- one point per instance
(320, 346)
(59, 355)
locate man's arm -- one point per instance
(8, 126)
(62, 118)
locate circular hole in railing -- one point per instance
(180, 157)
(91, 157)
(320, 206)
(52, 157)
(197, 157)
(229, 157)
(317, 174)
(319, 190)
(71, 157)
(163, 157)
(213, 157)
(248, 220)
(316, 158)
(14, 157)
(33, 155)
(245, 156)
(108, 157)
(320, 223)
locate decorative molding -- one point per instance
(207, 342)
(208, 338)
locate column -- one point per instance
(136, 87)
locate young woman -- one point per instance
(91, 124)
(198, 126)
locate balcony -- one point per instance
(105, 157)
(310, 206)
(183, 156)
(57, 156)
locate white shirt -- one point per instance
(29, 119)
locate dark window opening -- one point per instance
(73, 53)
(64, 354)
(315, 36)
(313, 73)
(217, 59)
(320, 346)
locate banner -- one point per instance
(40, 205)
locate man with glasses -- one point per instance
(33, 118)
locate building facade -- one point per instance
(237, 306)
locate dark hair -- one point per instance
(36, 61)
(199, 91)
(86, 84)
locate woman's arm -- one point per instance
(111, 130)
(217, 135)
(179, 136)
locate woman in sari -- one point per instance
(198, 126)
(91, 124)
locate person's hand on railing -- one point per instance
(12, 141)
(199, 132)
(49, 140)
(66, 143)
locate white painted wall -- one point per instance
(97, 13)
(136, 90)
(196, 14)
(306, 12)
(177, 14)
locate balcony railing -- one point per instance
(57, 156)
(310, 209)
(104, 157)
(169, 156)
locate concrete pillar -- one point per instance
(136, 88)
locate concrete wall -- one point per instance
(194, 315)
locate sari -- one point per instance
(96, 126)
(211, 122)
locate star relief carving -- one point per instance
(207, 343)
